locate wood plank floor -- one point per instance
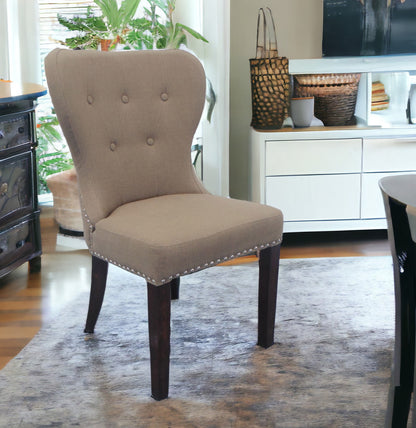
(28, 301)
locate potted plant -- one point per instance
(107, 30)
(117, 25)
(155, 31)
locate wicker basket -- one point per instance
(270, 81)
(335, 96)
(270, 90)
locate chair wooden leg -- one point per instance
(174, 293)
(98, 282)
(158, 302)
(268, 275)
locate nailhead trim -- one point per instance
(188, 271)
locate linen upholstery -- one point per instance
(109, 107)
(175, 243)
(129, 118)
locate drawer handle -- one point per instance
(21, 129)
(20, 243)
(3, 189)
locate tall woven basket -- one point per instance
(335, 96)
(270, 82)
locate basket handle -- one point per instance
(267, 48)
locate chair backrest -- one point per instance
(129, 118)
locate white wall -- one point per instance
(299, 35)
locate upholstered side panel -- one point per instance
(129, 118)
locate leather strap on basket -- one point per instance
(267, 48)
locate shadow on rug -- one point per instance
(330, 366)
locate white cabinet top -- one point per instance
(334, 132)
(362, 64)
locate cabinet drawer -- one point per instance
(19, 240)
(15, 130)
(316, 197)
(313, 157)
(16, 186)
(389, 154)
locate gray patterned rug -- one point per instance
(330, 366)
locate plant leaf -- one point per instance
(127, 11)
(109, 9)
(192, 32)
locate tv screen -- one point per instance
(369, 27)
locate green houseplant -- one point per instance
(107, 29)
(52, 153)
(117, 25)
(155, 31)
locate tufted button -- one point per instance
(125, 98)
(113, 146)
(164, 96)
(150, 141)
(90, 99)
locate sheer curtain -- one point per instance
(19, 41)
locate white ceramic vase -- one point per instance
(302, 110)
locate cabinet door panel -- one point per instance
(313, 157)
(389, 154)
(19, 240)
(317, 197)
(16, 186)
(372, 205)
(15, 130)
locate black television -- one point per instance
(369, 27)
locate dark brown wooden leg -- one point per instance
(158, 302)
(268, 274)
(35, 265)
(174, 288)
(98, 282)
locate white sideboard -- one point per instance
(326, 179)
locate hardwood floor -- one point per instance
(28, 301)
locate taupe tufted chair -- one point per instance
(129, 119)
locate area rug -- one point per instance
(330, 366)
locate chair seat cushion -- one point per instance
(173, 235)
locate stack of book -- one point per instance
(379, 98)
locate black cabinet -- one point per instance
(20, 240)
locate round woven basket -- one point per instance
(328, 79)
(335, 96)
